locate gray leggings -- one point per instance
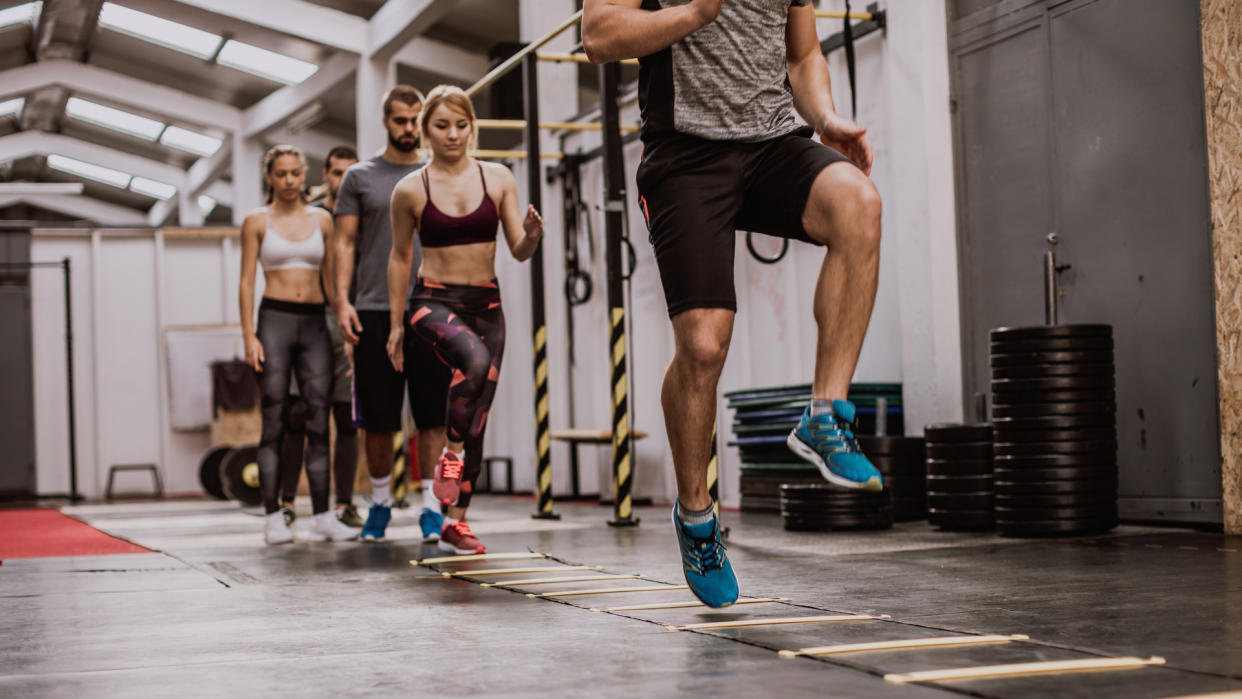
(295, 340)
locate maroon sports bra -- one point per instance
(439, 230)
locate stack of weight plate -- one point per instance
(959, 476)
(900, 461)
(1055, 414)
(821, 507)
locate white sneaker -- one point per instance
(326, 527)
(275, 531)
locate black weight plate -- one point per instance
(1100, 459)
(908, 485)
(946, 432)
(959, 484)
(209, 471)
(959, 501)
(1104, 395)
(1064, 344)
(1051, 357)
(1095, 434)
(881, 500)
(906, 465)
(1067, 473)
(1042, 514)
(1054, 383)
(1038, 371)
(1002, 413)
(845, 518)
(1054, 422)
(959, 467)
(891, 446)
(1048, 332)
(1056, 527)
(1087, 499)
(239, 476)
(959, 451)
(961, 519)
(1034, 488)
(1038, 448)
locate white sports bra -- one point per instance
(278, 252)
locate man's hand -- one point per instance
(847, 138)
(396, 355)
(347, 320)
(349, 358)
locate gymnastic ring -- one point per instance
(750, 245)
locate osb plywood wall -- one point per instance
(1222, 79)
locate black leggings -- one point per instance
(465, 327)
(295, 341)
(293, 450)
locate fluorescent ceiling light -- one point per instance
(192, 141)
(157, 30)
(132, 124)
(90, 171)
(206, 204)
(264, 63)
(24, 13)
(152, 188)
(13, 106)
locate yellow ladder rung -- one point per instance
(682, 605)
(1023, 669)
(480, 557)
(610, 591)
(556, 581)
(486, 572)
(740, 623)
(905, 644)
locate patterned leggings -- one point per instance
(465, 327)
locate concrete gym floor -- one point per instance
(214, 612)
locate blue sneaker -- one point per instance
(828, 442)
(377, 523)
(431, 522)
(704, 562)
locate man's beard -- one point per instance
(403, 146)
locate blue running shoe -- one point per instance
(377, 523)
(828, 442)
(431, 522)
(704, 562)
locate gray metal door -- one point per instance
(1085, 118)
(17, 457)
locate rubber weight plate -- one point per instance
(1039, 514)
(1057, 527)
(1103, 395)
(1096, 434)
(959, 467)
(891, 446)
(947, 432)
(1038, 371)
(959, 451)
(1086, 499)
(1035, 488)
(1061, 344)
(1053, 422)
(1049, 332)
(1097, 460)
(209, 471)
(959, 501)
(1037, 448)
(1054, 383)
(961, 520)
(1003, 413)
(959, 484)
(1051, 357)
(1068, 473)
(239, 476)
(891, 466)
(753, 503)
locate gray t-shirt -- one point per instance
(727, 81)
(366, 192)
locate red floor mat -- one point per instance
(41, 533)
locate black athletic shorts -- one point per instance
(696, 193)
(379, 390)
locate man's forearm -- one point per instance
(343, 266)
(612, 32)
(812, 90)
(398, 282)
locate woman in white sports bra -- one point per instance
(287, 238)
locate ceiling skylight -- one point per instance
(132, 124)
(157, 30)
(152, 188)
(24, 13)
(206, 204)
(90, 171)
(264, 63)
(12, 107)
(191, 141)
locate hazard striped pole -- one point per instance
(713, 473)
(539, 325)
(614, 225)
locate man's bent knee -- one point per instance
(843, 208)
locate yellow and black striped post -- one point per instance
(539, 325)
(614, 225)
(713, 473)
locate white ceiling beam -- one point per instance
(21, 188)
(120, 89)
(221, 192)
(201, 178)
(461, 65)
(269, 112)
(313, 143)
(398, 21)
(296, 18)
(24, 144)
(81, 207)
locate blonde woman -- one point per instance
(287, 237)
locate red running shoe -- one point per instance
(447, 484)
(457, 538)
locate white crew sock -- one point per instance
(381, 491)
(429, 497)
